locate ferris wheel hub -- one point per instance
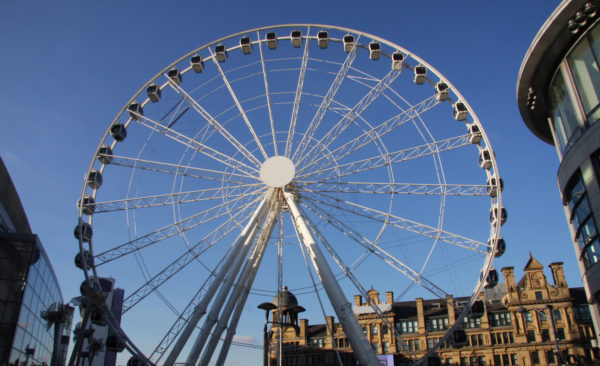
(277, 171)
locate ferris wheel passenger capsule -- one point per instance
(154, 93)
(397, 60)
(348, 42)
(494, 216)
(84, 257)
(197, 63)
(135, 361)
(485, 159)
(89, 205)
(492, 278)
(492, 186)
(474, 133)
(374, 50)
(94, 179)
(420, 74)
(459, 338)
(477, 309)
(500, 247)
(271, 40)
(135, 111)
(323, 38)
(105, 154)
(460, 111)
(221, 52)
(246, 45)
(118, 132)
(442, 91)
(296, 36)
(175, 76)
(83, 231)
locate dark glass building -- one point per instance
(34, 322)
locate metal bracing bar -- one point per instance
(396, 188)
(299, 87)
(326, 102)
(267, 92)
(343, 309)
(240, 293)
(200, 309)
(394, 157)
(380, 130)
(212, 121)
(239, 106)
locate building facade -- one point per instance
(558, 94)
(521, 323)
(34, 321)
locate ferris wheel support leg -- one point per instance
(237, 302)
(75, 359)
(343, 309)
(255, 220)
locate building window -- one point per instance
(582, 312)
(528, 317)
(564, 118)
(386, 347)
(407, 326)
(476, 340)
(500, 319)
(557, 314)
(469, 323)
(530, 336)
(538, 295)
(550, 357)
(374, 330)
(375, 347)
(464, 361)
(560, 333)
(535, 358)
(583, 64)
(545, 335)
(543, 316)
(586, 233)
(384, 329)
(436, 324)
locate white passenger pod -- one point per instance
(105, 154)
(500, 248)
(84, 258)
(492, 279)
(492, 184)
(89, 205)
(118, 132)
(348, 42)
(94, 179)
(460, 111)
(495, 216)
(271, 38)
(474, 133)
(459, 338)
(175, 76)
(197, 63)
(442, 91)
(296, 37)
(477, 309)
(153, 92)
(135, 111)
(83, 232)
(420, 74)
(485, 159)
(221, 52)
(397, 60)
(246, 45)
(323, 39)
(374, 50)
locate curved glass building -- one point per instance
(34, 322)
(558, 94)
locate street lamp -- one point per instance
(552, 322)
(267, 307)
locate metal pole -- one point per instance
(342, 307)
(550, 310)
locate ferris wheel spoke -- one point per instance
(197, 145)
(326, 102)
(239, 106)
(372, 247)
(391, 158)
(208, 215)
(382, 129)
(348, 119)
(396, 188)
(207, 242)
(173, 198)
(214, 123)
(399, 222)
(267, 92)
(299, 87)
(177, 169)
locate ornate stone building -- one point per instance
(522, 323)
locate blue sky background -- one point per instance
(68, 67)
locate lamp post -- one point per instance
(552, 323)
(267, 307)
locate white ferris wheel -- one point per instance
(315, 157)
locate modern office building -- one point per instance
(34, 321)
(558, 94)
(527, 322)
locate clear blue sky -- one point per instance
(68, 67)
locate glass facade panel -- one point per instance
(565, 119)
(583, 222)
(586, 77)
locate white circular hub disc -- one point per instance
(277, 171)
